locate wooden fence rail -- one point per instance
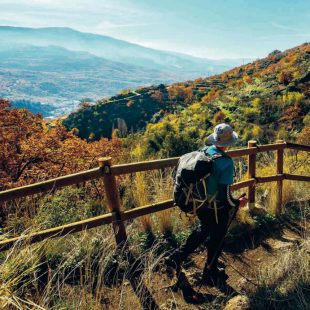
(116, 170)
(118, 216)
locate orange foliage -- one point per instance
(285, 77)
(304, 136)
(211, 95)
(158, 96)
(224, 77)
(247, 79)
(181, 93)
(30, 153)
(237, 83)
(219, 117)
(291, 116)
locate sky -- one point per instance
(204, 28)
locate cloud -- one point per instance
(103, 17)
(105, 14)
(284, 27)
(87, 8)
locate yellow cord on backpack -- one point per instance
(197, 203)
(194, 208)
(205, 187)
(189, 193)
(215, 212)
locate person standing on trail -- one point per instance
(213, 217)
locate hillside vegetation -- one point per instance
(32, 150)
(263, 100)
(266, 257)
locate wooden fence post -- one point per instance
(279, 183)
(113, 200)
(251, 174)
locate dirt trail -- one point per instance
(244, 257)
(242, 267)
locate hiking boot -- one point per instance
(172, 261)
(213, 276)
(221, 264)
(193, 297)
(189, 294)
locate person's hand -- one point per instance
(243, 202)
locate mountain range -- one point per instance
(61, 66)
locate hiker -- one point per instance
(214, 216)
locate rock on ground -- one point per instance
(240, 302)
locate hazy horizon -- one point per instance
(206, 29)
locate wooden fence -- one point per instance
(118, 216)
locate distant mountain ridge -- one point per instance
(61, 66)
(62, 78)
(112, 49)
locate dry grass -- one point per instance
(142, 197)
(16, 274)
(293, 191)
(162, 184)
(155, 186)
(294, 162)
(286, 283)
(86, 254)
(91, 254)
(277, 283)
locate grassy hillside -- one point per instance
(127, 111)
(264, 100)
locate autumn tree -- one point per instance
(16, 127)
(247, 79)
(158, 96)
(84, 104)
(31, 151)
(179, 93)
(291, 117)
(219, 117)
(304, 136)
(285, 77)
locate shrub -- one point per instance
(285, 77)
(66, 206)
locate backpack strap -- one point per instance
(215, 156)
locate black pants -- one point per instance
(208, 228)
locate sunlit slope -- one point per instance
(264, 100)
